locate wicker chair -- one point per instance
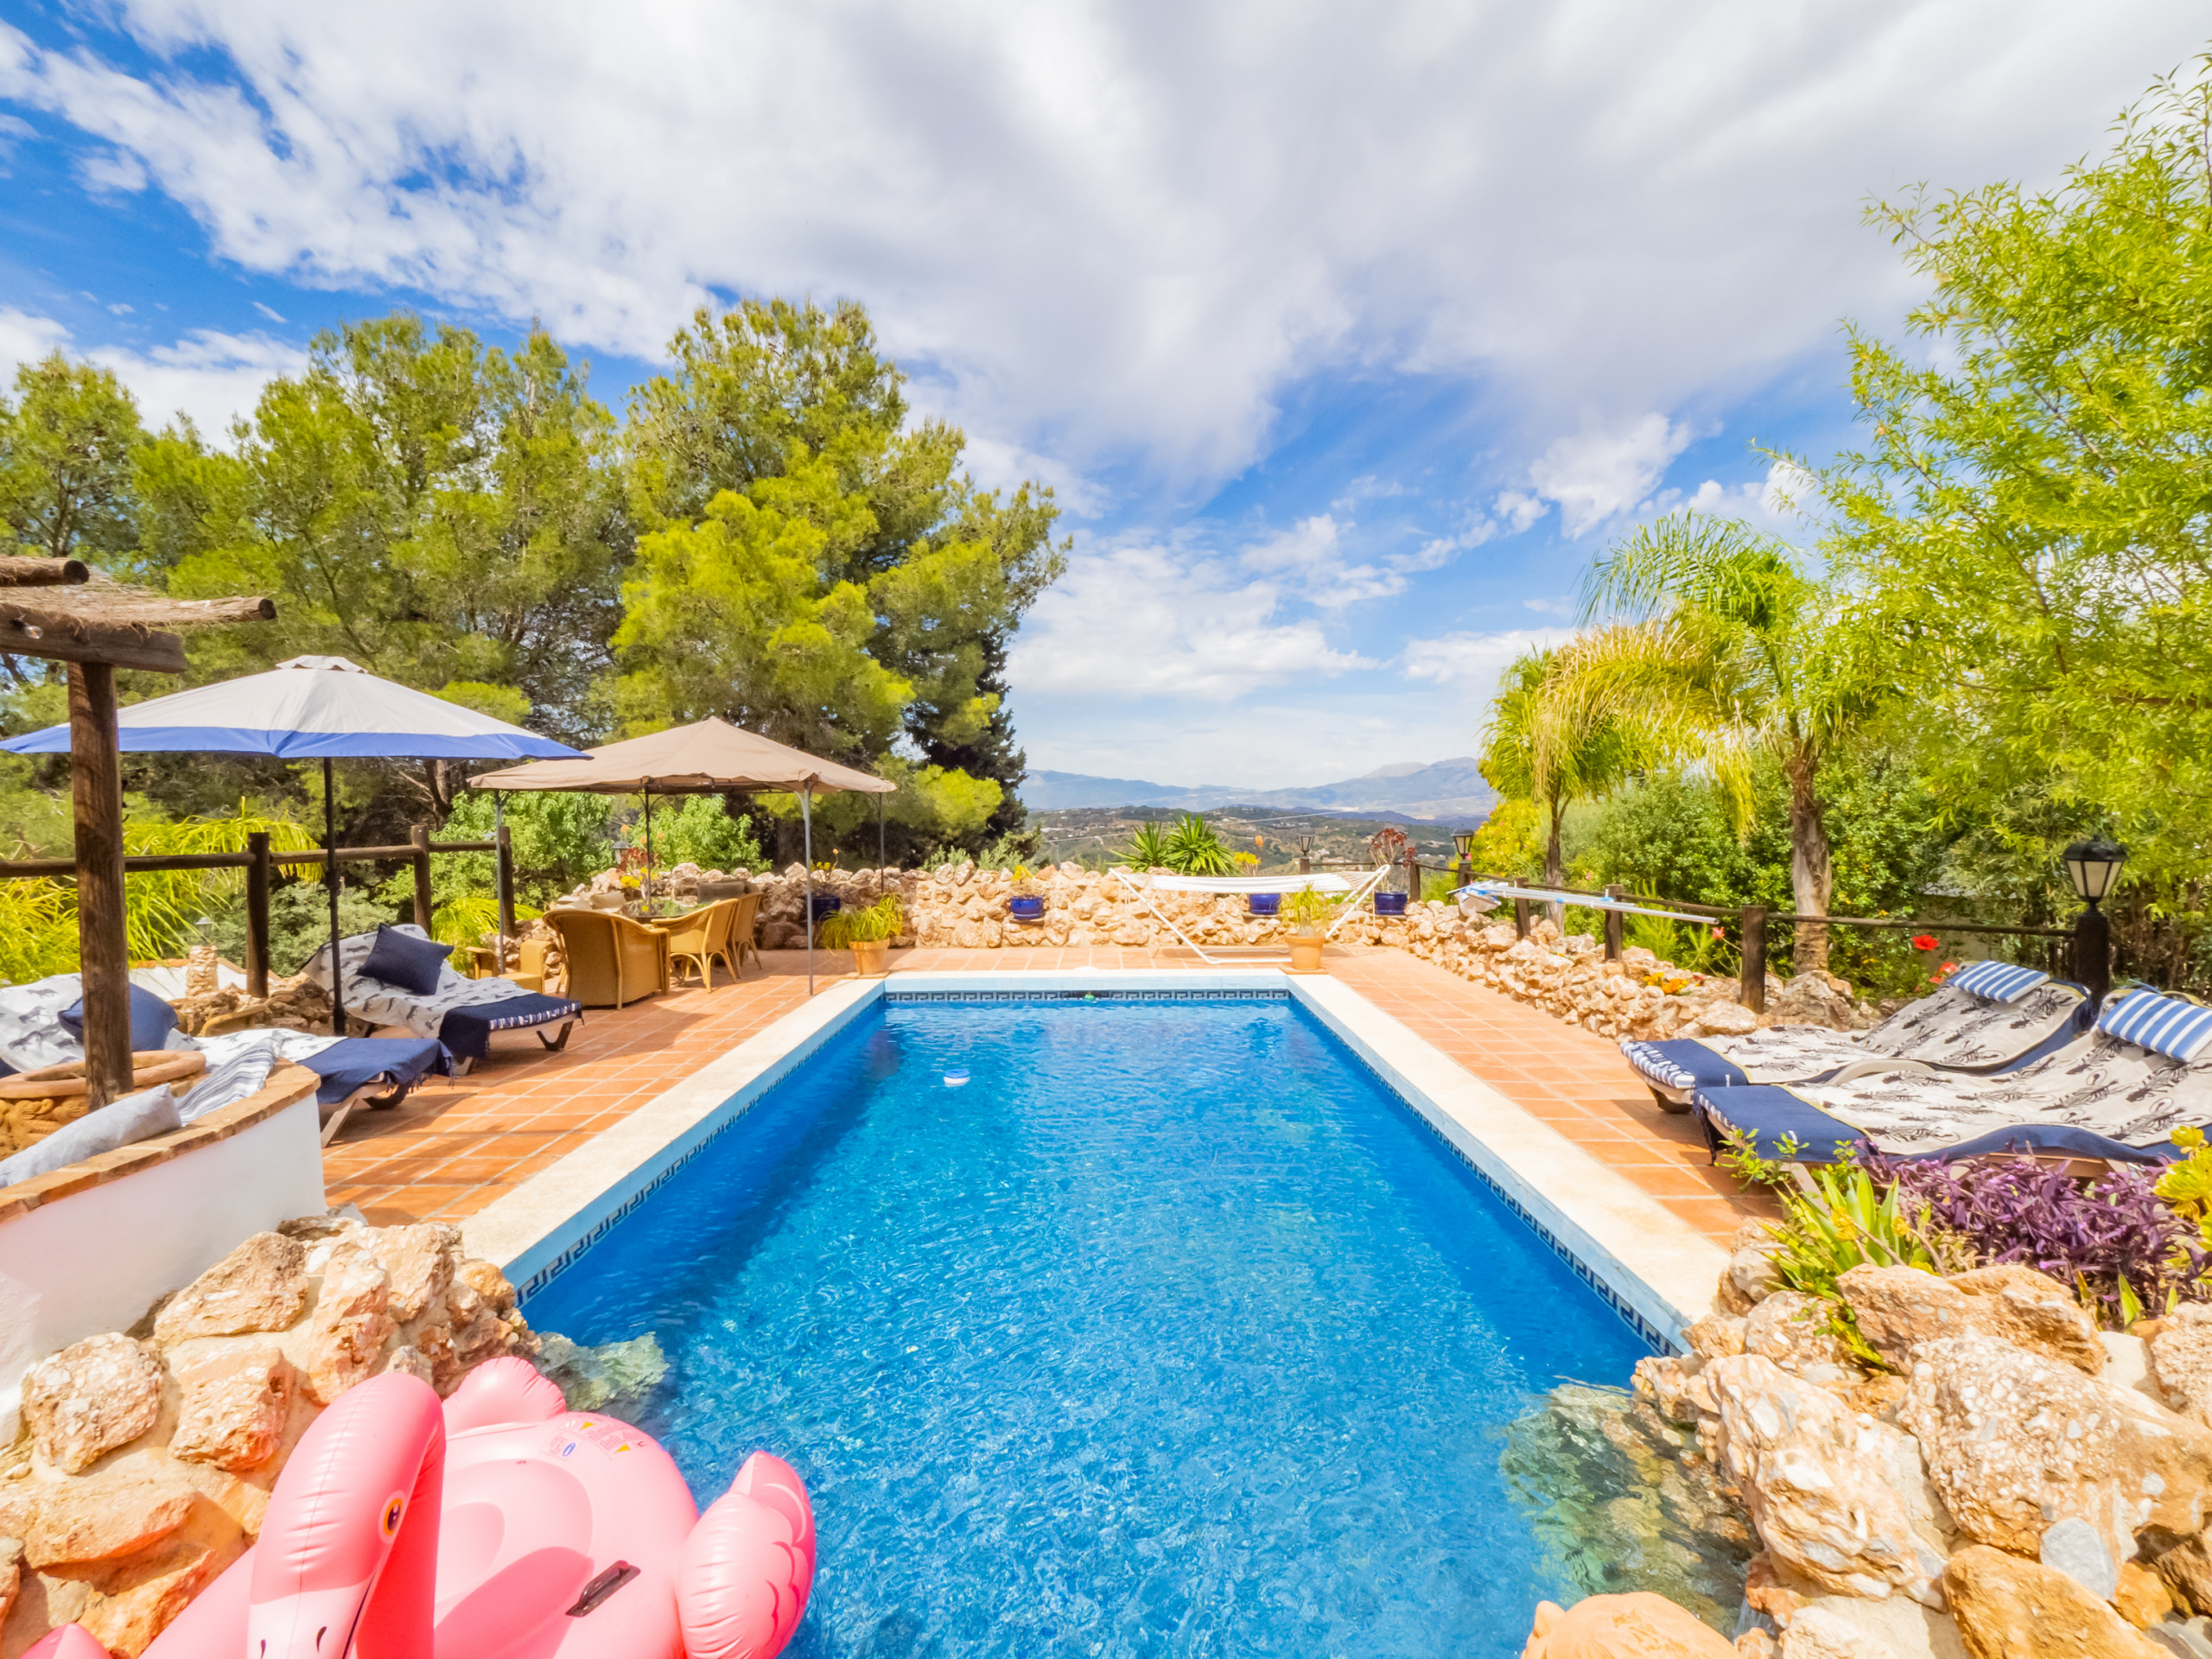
(611, 959)
(701, 937)
(738, 943)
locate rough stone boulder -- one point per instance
(2008, 1608)
(234, 1408)
(2033, 1311)
(1838, 1499)
(1749, 1279)
(2018, 1444)
(418, 1263)
(1793, 1329)
(351, 1321)
(2181, 1359)
(82, 1524)
(1639, 1625)
(1898, 1307)
(260, 1286)
(1725, 1019)
(90, 1398)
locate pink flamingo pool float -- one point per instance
(499, 1525)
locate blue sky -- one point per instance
(1347, 337)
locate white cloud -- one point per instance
(1473, 661)
(1121, 227)
(1142, 619)
(1598, 474)
(25, 339)
(272, 315)
(208, 376)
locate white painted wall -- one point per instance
(97, 1260)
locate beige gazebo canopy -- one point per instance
(706, 757)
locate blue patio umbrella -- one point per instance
(321, 709)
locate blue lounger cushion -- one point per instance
(1771, 1114)
(349, 1066)
(467, 1031)
(1684, 1063)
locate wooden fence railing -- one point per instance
(258, 861)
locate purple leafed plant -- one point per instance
(2115, 1229)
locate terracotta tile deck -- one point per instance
(454, 1146)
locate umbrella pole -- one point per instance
(649, 846)
(806, 828)
(330, 883)
(879, 860)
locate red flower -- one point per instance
(1946, 967)
(1717, 934)
(1925, 942)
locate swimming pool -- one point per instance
(1172, 1332)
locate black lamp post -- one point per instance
(1462, 841)
(2093, 866)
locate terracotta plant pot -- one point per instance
(871, 957)
(1306, 953)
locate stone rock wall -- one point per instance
(959, 907)
(146, 1457)
(2034, 1484)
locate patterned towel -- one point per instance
(394, 1005)
(2096, 1082)
(1948, 1028)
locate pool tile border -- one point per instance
(546, 1225)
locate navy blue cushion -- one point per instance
(467, 1031)
(1769, 1113)
(402, 959)
(357, 1061)
(151, 1020)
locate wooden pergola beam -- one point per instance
(96, 629)
(19, 572)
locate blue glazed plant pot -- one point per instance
(1389, 904)
(1264, 903)
(825, 904)
(1026, 909)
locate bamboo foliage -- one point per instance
(38, 914)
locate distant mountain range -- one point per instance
(1451, 790)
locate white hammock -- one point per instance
(1144, 885)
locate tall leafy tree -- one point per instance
(439, 511)
(856, 589)
(1541, 749)
(2029, 514)
(70, 447)
(1728, 650)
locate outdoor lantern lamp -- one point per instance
(2093, 866)
(1463, 840)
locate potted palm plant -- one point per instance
(867, 931)
(1027, 902)
(1306, 919)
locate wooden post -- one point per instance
(506, 857)
(1752, 993)
(1616, 925)
(1412, 877)
(424, 904)
(102, 949)
(257, 914)
(1520, 910)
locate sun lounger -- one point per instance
(2117, 1092)
(1987, 1017)
(463, 1012)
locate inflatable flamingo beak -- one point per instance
(308, 1624)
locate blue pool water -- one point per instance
(1172, 1332)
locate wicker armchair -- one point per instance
(701, 937)
(611, 959)
(738, 943)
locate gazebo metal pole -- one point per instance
(806, 829)
(330, 882)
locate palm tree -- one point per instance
(1725, 650)
(1535, 750)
